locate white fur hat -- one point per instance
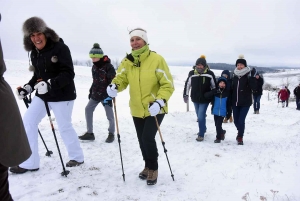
(140, 33)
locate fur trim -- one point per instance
(36, 24)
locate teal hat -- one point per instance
(96, 51)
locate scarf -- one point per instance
(137, 53)
(241, 72)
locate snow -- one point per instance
(266, 168)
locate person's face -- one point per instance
(240, 66)
(38, 39)
(222, 84)
(137, 43)
(200, 66)
(257, 76)
(95, 59)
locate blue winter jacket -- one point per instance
(220, 101)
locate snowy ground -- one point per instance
(267, 167)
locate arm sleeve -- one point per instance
(186, 82)
(111, 73)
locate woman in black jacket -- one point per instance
(257, 93)
(242, 85)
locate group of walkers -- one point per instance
(226, 94)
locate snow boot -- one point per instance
(199, 138)
(110, 138)
(144, 174)
(87, 136)
(239, 140)
(73, 163)
(217, 141)
(223, 135)
(225, 120)
(152, 177)
(230, 119)
(19, 170)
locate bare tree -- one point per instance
(116, 63)
(75, 62)
(89, 63)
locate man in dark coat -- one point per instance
(14, 146)
(257, 93)
(297, 94)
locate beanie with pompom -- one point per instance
(241, 60)
(201, 60)
(96, 51)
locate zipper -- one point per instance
(237, 92)
(37, 63)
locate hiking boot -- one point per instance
(144, 174)
(73, 163)
(217, 141)
(230, 119)
(225, 120)
(257, 111)
(87, 136)
(19, 170)
(110, 138)
(199, 138)
(240, 140)
(152, 177)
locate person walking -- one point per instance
(289, 93)
(201, 82)
(283, 96)
(243, 83)
(220, 104)
(228, 116)
(103, 72)
(14, 146)
(297, 95)
(151, 86)
(53, 80)
(257, 93)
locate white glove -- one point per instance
(112, 90)
(155, 107)
(42, 87)
(22, 92)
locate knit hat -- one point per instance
(96, 51)
(201, 60)
(33, 25)
(222, 79)
(241, 60)
(140, 33)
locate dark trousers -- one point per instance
(298, 102)
(146, 130)
(256, 102)
(218, 124)
(4, 188)
(239, 115)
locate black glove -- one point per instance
(253, 72)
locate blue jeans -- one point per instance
(256, 103)
(239, 115)
(200, 109)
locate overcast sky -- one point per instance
(267, 32)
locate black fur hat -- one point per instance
(36, 24)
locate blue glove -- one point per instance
(107, 101)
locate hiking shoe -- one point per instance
(19, 170)
(144, 174)
(110, 138)
(199, 138)
(217, 141)
(73, 163)
(87, 136)
(230, 119)
(152, 177)
(225, 120)
(257, 111)
(240, 140)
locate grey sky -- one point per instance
(267, 32)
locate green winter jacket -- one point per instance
(149, 80)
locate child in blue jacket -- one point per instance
(220, 105)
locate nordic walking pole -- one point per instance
(163, 143)
(118, 134)
(65, 172)
(48, 153)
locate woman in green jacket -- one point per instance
(151, 86)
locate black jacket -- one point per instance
(200, 84)
(242, 90)
(259, 86)
(297, 92)
(54, 62)
(103, 72)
